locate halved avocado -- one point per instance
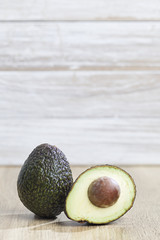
(100, 195)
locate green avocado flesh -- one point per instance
(80, 208)
(44, 181)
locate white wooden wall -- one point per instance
(82, 75)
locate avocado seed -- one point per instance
(103, 192)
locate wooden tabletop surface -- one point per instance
(141, 222)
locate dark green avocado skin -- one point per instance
(44, 181)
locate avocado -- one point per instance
(44, 181)
(100, 195)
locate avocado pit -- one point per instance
(103, 192)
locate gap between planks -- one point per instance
(80, 10)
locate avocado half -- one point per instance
(100, 195)
(44, 181)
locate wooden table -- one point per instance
(141, 222)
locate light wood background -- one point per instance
(82, 75)
(79, 10)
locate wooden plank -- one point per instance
(80, 46)
(79, 94)
(79, 10)
(141, 222)
(84, 141)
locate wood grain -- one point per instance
(80, 46)
(84, 141)
(79, 10)
(79, 94)
(141, 222)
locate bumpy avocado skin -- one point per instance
(44, 181)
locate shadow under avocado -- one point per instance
(25, 221)
(35, 223)
(65, 226)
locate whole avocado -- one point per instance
(44, 181)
